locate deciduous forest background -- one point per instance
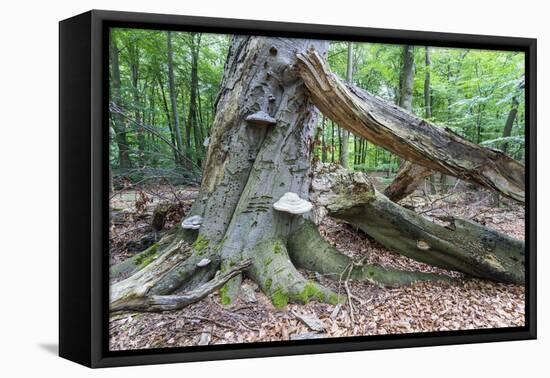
(164, 87)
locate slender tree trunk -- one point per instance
(134, 72)
(323, 141)
(173, 98)
(177, 151)
(428, 103)
(509, 123)
(427, 89)
(344, 150)
(192, 123)
(118, 121)
(406, 78)
(333, 147)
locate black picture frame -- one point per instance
(83, 196)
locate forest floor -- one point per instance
(465, 303)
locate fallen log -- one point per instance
(406, 135)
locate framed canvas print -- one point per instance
(234, 188)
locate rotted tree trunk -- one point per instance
(260, 148)
(460, 245)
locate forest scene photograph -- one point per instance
(268, 189)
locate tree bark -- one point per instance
(406, 78)
(509, 123)
(248, 167)
(408, 136)
(192, 122)
(344, 149)
(173, 100)
(118, 122)
(461, 245)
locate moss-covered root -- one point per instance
(144, 258)
(278, 278)
(310, 251)
(173, 270)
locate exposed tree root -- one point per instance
(278, 278)
(145, 257)
(178, 301)
(310, 251)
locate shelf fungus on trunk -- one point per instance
(261, 118)
(293, 204)
(192, 223)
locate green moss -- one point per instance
(146, 257)
(333, 299)
(311, 291)
(268, 261)
(200, 244)
(279, 298)
(277, 248)
(225, 299)
(268, 284)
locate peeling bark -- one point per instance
(408, 136)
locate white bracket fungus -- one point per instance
(192, 223)
(203, 263)
(293, 204)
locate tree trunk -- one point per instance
(461, 245)
(406, 78)
(118, 122)
(344, 149)
(323, 141)
(134, 73)
(408, 136)
(248, 167)
(172, 91)
(177, 151)
(509, 123)
(192, 122)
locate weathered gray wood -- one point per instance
(408, 136)
(178, 301)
